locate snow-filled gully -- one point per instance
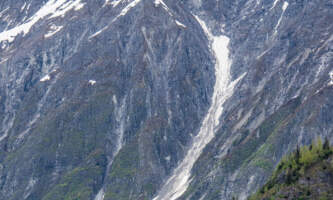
(178, 182)
(120, 118)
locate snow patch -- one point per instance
(285, 6)
(180, 24)
(168, 158)
(113, 3)
(67, 6)
(274, 4)
(107, 2)
(22, 8)
(100, 195)
(160, 2)
(331, 77)
(53, 30)
(92, 82)
(45, 78)
(178, 182)
(114, 99)
(52, 9)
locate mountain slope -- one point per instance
(76, 95)
(144, 99)
(284, 100)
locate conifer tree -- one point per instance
(297, 154)
(326, 145)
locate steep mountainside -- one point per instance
(306, 174)
(158, 99)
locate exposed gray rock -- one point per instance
(107, 97)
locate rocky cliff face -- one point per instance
(152, 99)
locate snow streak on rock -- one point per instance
(53, 8)
(180, 24)
(40, 105)
(284, 7)
(122, 13)
(160, 2)
(53, 30)
(178, 182)
(114, 3)
(331, 77)
(100, 195)
(2, 12)
(45, 78)
(126, 9)
(120, 118)
(274, 4)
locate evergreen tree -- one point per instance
(297, 154)
(326, 144)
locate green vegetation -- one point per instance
(302, 175)
(123, 172)
(248, 147)
(79, 183)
